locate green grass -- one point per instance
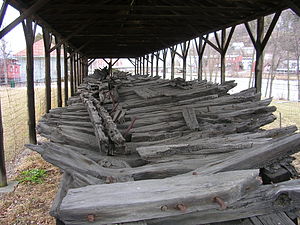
(32, 176)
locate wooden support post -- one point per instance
(72, 75)
(152, 61)
(157, 62)
(165, 52)
(137, 65)
(78, 70)
(58, 69)
(3, 178)
(140, 59)
(66, 74)
(184, 49)
(47, 44)
(223, 54)
(222, 48)
(29, 33)
(259, 54)
(200, 47)
(173, 54)
(143, 65)
(260, 44)
(147, 62)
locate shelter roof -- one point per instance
(131, 28)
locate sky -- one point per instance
(15, 38)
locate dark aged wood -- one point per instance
(72, 75)
(164, 55)
(178, 130)
(58, 69)
(173, 54)
(157, 54)
(75, 73)
(3, 11)
(149, 34)
(3, 178)
(152, 64)
(196, 195)
(184, 50)
(200, 47)
(29, 32)
(66, 79)
(47, 37)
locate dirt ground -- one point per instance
(30, 202)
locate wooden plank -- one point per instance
(265, 200)
(190, 118)
(259, 157)
(181, 195)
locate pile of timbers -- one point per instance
(142, 150)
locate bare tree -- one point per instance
(5, 55)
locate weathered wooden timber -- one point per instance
(188, 138)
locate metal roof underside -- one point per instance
(132, 28)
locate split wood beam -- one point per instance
(260, 44)
(58, 70)
(28, 12)
(184, 51)
(200, 47)
(29, 33)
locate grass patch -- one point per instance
(32, 176)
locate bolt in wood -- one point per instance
(220, 202)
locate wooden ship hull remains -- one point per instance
(142, 150)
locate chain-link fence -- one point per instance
(15, 114)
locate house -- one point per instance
(9, 70)
(39, 63)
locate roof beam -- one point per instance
(28, 12)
